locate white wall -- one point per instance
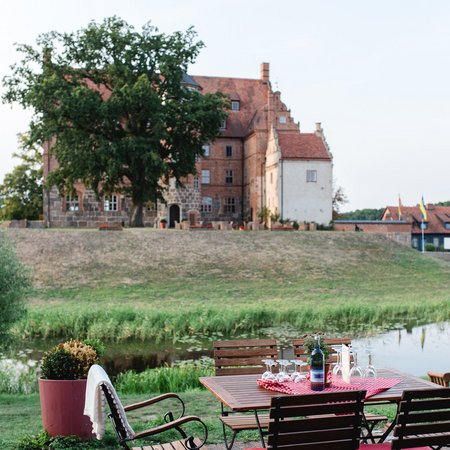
(306, 201)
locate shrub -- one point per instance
(70, 360)
(430, 248)
(15, 284)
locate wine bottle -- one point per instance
(317, 367)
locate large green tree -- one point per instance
(21, 191)
(113, 103)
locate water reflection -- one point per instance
(414, 350)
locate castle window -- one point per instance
(230, 205)
(228, 151)
(111, 203)
(223, 125)
(282, 119)
(72, 203)
(196, 183)
(311, 176)
(235, 106)
(271, 177)
(206, 205)
(206, 150)
(228, 176)
(206, 176)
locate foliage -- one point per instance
(430, 247)
(263, 214)
(339, 200)
(275, 217)
(43, 441)
(180, 378)
(21, 191)
(15, 285)
(443, 203)
(310, 342)
(116, 102)
(70, 360)
(362, 214)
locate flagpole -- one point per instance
(423, 239)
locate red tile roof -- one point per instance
(251, 93)
(437, 217)
(296, 145)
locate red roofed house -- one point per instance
(436, 227)
(260, 159)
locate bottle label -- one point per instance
(316, 376)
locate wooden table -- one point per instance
(241, 392)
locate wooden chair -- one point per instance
(299, 351)
(422, 423)
(370, 419)
(443, 379)
(242, 357)
(316, 422)
(125, 435)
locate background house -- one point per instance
(260, 159)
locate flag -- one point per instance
(423, 210)
(399, 207)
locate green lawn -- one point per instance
(20, 416)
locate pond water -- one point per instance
(414, 350)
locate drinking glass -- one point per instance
(268, 375)
(370, 371)
(282, 375)
(297, 376)
(337, 369)
(356, 370)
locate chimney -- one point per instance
(265, 72)
(319, 129)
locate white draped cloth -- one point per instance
(94, 404)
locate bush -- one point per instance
(70, 360)
(15, 284)
(430, 248)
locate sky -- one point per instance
(376, 74)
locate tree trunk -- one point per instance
(137, 216)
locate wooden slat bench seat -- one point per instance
(177, 445)
(239, 422)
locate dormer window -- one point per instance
(447, 226)
(282, 119)
(235, 105)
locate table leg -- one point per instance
(261, 435)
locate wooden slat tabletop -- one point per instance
(241, 392)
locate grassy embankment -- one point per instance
(156, 285)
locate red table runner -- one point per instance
(372, 386)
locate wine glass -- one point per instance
(337, 369)
(282, 375)
(370, 371)
(298, 375)
(268, 374)
(356, 370)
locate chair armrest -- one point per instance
(153, 400)
(175, 424)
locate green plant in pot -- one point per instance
(62, 387)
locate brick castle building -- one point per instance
(260, 159)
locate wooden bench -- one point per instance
(242, 357)
(370, 420)
(443, 379)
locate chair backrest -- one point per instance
(119, 426)
(318, 421)
(443, 379)
(423, 419)
(242, 357)
(299, 351)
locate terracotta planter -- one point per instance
(62, 406)
(162, 225)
